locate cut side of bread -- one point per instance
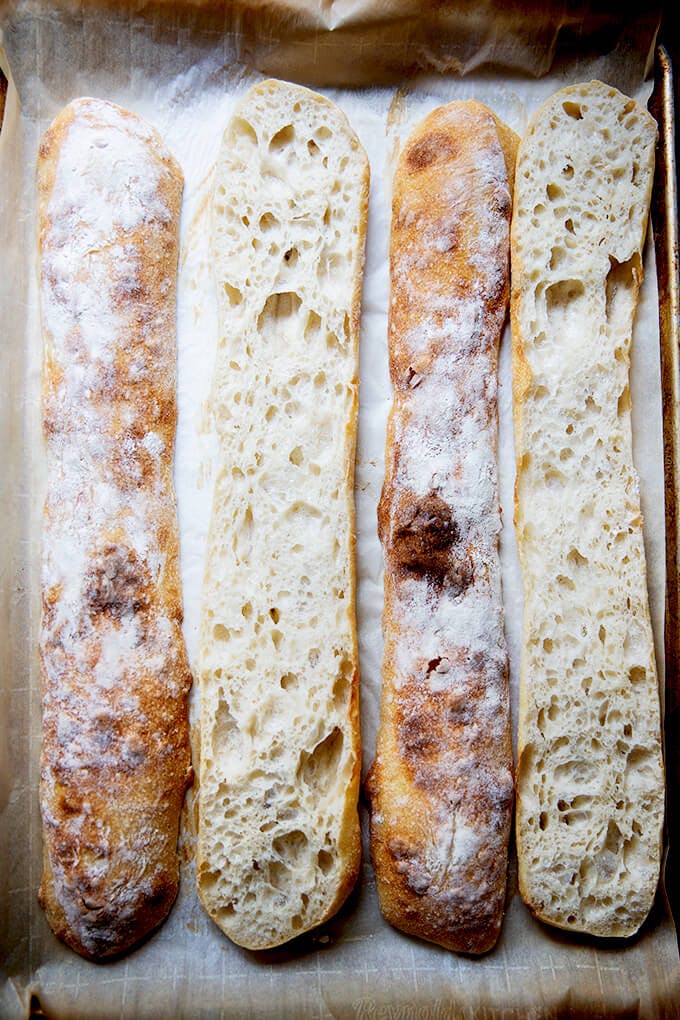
(279, 845)
(590, 783)
(441, 785)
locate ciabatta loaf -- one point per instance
(441, 786)
(278, 845)
(590, 784)
(115, 752)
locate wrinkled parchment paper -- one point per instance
(184, 68)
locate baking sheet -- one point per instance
(183, 69)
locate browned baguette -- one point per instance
(441, 785)
(115, 755)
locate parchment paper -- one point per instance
(184, 69)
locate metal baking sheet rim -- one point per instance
(665, 226)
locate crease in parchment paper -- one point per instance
(181, 73)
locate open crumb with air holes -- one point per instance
(590, 785)
(279, 844)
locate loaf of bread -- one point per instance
(590, 778)
(278, 843)
(115, 754)
(441, 786)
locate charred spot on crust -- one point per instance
(423, 534)
(116, 583)
(426, 541)
(434, 148)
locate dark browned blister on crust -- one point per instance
(115, 759)
(441, 787)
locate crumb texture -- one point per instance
(115, 754)
(441, 786)
(278, 834)
(590, 789)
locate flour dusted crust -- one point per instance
(590, 772)
(115, 754)
(279, 846)
(441, 786)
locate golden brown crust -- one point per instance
(115, 755)
(441, 784)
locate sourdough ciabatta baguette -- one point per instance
(441, 786)
(590, 779)
(115, 752)
(278, 846)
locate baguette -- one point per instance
(441, 786)
(278, 843)
(115, 759)
(590, 776)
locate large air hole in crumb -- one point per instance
(312, 326)
(623, 404)
(554, 477)
(224, 726)
(621, 291)
(279, 314)
(282, 139)
(563, 297)
(278, 874)
(289, 681)
(612, 841)
(575, 558)
(234, 296)
(319, 767)
(243, 536)
(573, 110)
(241, 129)
(325, 861)
(557, 257)
(291, 846)
(341, 689)
(268, 221)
